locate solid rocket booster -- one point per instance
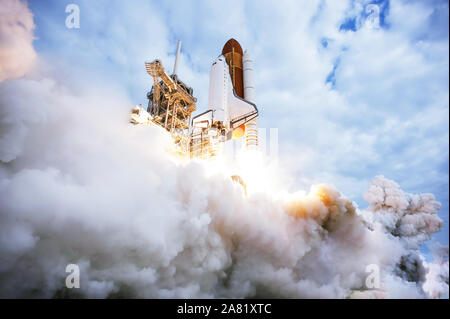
(251, 129)
(249, 84)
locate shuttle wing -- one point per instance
(240, 111)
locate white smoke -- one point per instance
(80, 185)
(413, 218)
(436, 284)
(17, 54)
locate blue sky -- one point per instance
(350, 100)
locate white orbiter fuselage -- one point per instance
(226, 111)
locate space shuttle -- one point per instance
(229, 113)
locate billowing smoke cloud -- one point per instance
(17, 54)
(410, 217)
(436, 284)
(80, 185)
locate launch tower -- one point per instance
(230, 114)
(170, 103)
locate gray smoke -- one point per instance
(410, 217)
(80, 185)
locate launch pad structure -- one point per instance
(229, 115)
(171, 102)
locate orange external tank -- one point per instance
(233, 54)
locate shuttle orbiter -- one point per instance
(227, 112)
